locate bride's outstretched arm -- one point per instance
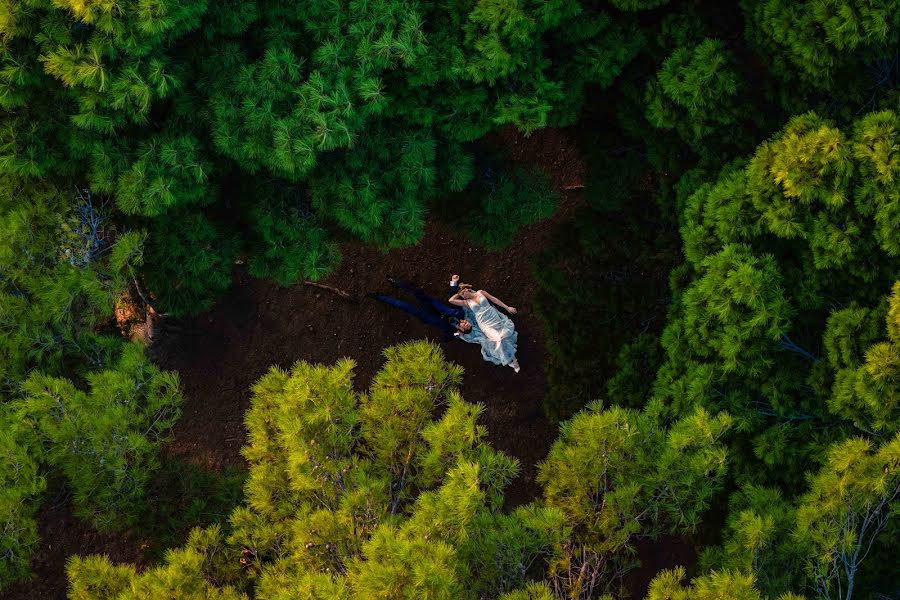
(498, 302)
(457, 300)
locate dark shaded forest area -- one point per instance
(694, 206)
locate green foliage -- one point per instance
(734, 310)
(168, 172)
(618, 475)
(96, 578)
(866, 371)
(696, 92)
(819, 540)
(288, 121)
(189, 259)
(718, 213)
(774, 245)
(785, 245)
(386, 206)
(115, 66)
(877, 194)
(721, 585)
(372, 106)
(499, 203)
(364, 496)
(21, 485)
(798, 184)
(757, 540)
(104, 440)
(367, 105)
(62, 266)
(638, 4)
(771, 243)
(279, 112)
(822, 42)
(534, 591)
(849, 503)
(290, 245)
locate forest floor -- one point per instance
(220, 354)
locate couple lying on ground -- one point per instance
(473, 318)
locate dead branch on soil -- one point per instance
(574, 186)
(331, 289)
(147, 301)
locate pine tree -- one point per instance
(867, 371)
(362, 496)
(810, 185)
(290, 245)
(369, 105)
(110, 59)
(618, 475)
(21, 486)
(850, 502)
(722, 585)
(757, 540)
(876, 147)
(189, 260)
(824, 44)
(799, 184)
(169, 172)
(63, 265)
(120, 121)
(719, 213)
(104, 440)
(798, 244)
(735, 310)
(696, 92)
(534, 591)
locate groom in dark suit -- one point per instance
(431, 311)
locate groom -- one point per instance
(431, 311)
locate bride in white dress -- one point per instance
(496, 332)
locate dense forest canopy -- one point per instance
(721, 310)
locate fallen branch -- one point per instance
(331, 289)
(147, 301)
(574, 186)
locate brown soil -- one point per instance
(220, 354)
(62, 534)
